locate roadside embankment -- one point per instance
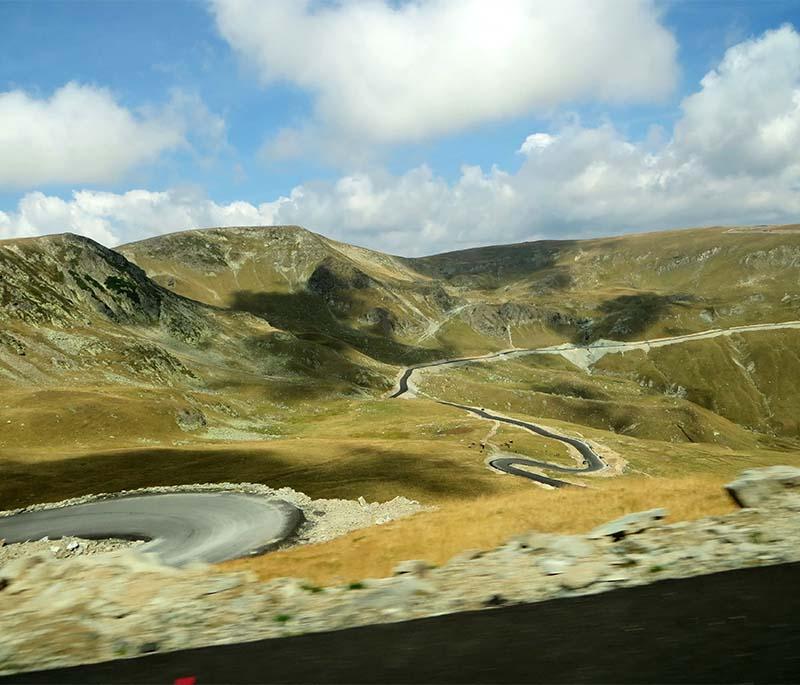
(104, 607)
(62, 548)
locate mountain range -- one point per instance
(240, 340)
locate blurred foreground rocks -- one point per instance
(58, 612)
(62, 548)
(773, 486)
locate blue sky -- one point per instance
(198, 72)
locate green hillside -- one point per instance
(266, 352)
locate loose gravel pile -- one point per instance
(63, 548)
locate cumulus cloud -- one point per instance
(536, 141)
(81, 134)
(732, 159)
(393, 73)
(113, 218)
(746, 116)
(573, 181)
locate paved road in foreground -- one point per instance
(734, 627)
(180, 527)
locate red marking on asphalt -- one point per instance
(188, 680)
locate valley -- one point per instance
(309, 416)
(384, 340)
(269, 354)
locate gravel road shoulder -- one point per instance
(325, 518)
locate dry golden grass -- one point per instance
(485, 523)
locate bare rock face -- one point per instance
(190, 419)
(629, 525)
(64, 280)
(772, 486)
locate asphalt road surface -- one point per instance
(600, 346)
(510, 464)
(180, 527)
(402, 384)
(592, 460)
(733, 627)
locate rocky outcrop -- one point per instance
(773, 486)
(381, 320)
(189, 419)
(629, 525)
(67, 280)
(62, 548)
(60, 612)
(494, 319)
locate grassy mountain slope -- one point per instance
(91, 348)
(302, 282)
(261, 354)
(628, 287)
(401, 310)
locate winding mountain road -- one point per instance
(583, 356)
(179, 527)
(592, 461)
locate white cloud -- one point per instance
(575, 181)
(746, 117)
(81, 134)
(287, 143)
(393, 73)
(536, 141)
(185, 112)
(732, 159)
(112, 218)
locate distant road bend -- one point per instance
(582, 356)
(592, 460)
(180, 527)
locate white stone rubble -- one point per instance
(325, 518)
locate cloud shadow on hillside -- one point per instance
(367, 471)
(627, 316)
(308, 317)
(491, 266)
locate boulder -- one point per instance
(772, 486)
(415, 567)
(572, 546)
(582, 575)
(629, 525)
(559, 546)
(532, 540)
(392, 593)
(552, 566)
